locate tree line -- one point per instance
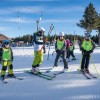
(29, 38)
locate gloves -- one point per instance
(84, 52)
(58, 51)
(12, 59)
(90, 51)
(44, 51)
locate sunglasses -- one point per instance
(6, 43)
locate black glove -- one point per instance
(58, 51)
(90, 51)
(44, 51)
(84, 52)
(12, 58)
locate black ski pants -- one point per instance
(63, 54)
(68, 53)
(71, 53)
(85, 61)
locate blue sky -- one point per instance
(18, 17)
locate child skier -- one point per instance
(38, 49)
(71, 51)
(87, 48)
(6, 58)
(60, 48)
(67, 48)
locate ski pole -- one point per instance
(81, 62)
(94, 66)
(50, 30)
(48, 52)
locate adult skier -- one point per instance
(38, 49)
(6, 58)
(87, 48)
(60, 48)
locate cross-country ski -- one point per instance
(42, 75)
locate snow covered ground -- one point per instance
(67, 86)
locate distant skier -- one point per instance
(71, 51)
(6, 58)
(38, 49)
(60, 48)
(67, 48)
(87, 48)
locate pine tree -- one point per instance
(90, 19)
(98, 28)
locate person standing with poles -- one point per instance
(6, 59)
(87, 48)
(60, 48)
(38, 49)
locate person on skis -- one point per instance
(87, 48)
(67, 48)
(6, 59)
(38, 49)
(60, 48)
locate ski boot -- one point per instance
(35, 70)
(83, 71)
(74, 58)
(2, 77)
(87, 70)
(65, 69)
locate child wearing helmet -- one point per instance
(38, 49)
(87, 48)
(60, 48)
(6, 58)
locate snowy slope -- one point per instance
(67, 86)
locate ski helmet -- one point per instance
(61, 34)
(87, 34)
(41, 29)
(6, 42)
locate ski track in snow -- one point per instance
(70, 85)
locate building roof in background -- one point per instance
(3, 37)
